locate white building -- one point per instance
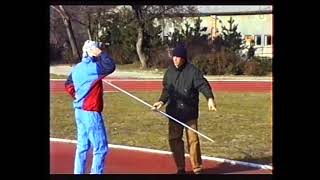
(254, 23)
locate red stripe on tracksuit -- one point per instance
(94, 99)
(70, 89)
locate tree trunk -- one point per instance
(139, 45)
(67, 23)
(89, 33)
(141, 55)
(72, 40)
(89, 27)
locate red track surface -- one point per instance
(120, 161)
(151, 85)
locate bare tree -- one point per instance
(143, 14)
(57, 29)
(68, 26)
(141, 21)
(90, 17)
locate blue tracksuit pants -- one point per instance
(90, 131)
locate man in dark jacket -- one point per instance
(182, 83)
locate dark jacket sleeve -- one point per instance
(164, 95)
(201, 83)
(106, 65)
(69, 87)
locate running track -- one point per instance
(124, 161)
(57, 86)
(127, 161)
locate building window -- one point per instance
(257, 39)
(267, 40)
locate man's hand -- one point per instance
(96, 52)
(157, 105)
(211, 105)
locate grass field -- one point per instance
(242, 126)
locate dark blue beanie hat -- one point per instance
(180, 51)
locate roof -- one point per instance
(234, 10)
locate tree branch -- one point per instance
(78, 21)
(59, 11)
(157, 14)
(64, 12)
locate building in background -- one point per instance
(255, 23)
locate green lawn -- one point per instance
(242, 126)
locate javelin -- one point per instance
(145, 103)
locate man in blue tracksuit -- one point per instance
(84, 84)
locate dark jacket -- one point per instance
(181, 89)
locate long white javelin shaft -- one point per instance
(145, 103)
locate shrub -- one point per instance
(224, 62)
(258, 66)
